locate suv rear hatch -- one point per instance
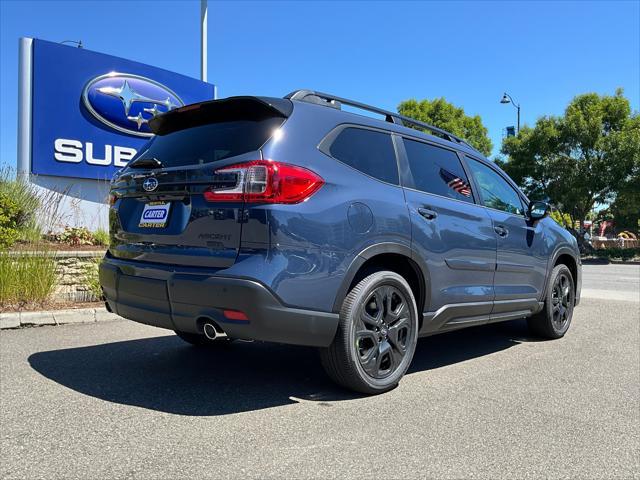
(175, 203)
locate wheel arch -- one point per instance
(387, 256)
(566, 256)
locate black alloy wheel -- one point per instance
(377, 334)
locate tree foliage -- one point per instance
(561, 218)
(579, 159)
(447, 116)
(625, 210)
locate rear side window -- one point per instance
(369, 151)
(210, 142)
(437, 170)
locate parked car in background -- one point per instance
(292, 220)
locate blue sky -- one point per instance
(542, 53)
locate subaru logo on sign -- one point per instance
(127, 102)
(150, 184)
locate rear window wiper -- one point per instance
(150, 162)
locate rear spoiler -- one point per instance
(225, 110)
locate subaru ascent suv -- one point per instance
(293, 220)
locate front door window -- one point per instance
(496, 193)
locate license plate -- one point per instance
(155, 215)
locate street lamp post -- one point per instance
(506, 98)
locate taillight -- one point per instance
(265, 181)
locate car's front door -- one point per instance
(453, 236)
(521, 260)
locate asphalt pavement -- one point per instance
(123, 400)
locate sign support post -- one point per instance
(203, 40)
(24, 106)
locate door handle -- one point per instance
(427, 213)
(502, 231)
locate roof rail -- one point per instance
(333, 101)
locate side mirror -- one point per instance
(539, 210)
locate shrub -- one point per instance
(9, 220)
(74, 236)
(81, 236)
(19, 203)
(26, 278)
(624, 254)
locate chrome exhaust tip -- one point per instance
(210, 331)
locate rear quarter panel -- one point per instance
(303, 251)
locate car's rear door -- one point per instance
(452, 234)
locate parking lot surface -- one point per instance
(122, 400)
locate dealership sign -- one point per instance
(127, 113)
(90, 112)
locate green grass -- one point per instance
(31, 234)
(92, 279)
(26, 278)
(101, 237)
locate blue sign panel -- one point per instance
(90, 111)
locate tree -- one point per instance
(447, 116)
(579, 159)
(625, 209)
(562, 219)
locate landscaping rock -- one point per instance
(71, 269)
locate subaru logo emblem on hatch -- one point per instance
(150, 184)
(127, 102)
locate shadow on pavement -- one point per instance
(165, 374)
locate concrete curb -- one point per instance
(55, 317)
(59, 253)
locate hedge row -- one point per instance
(617, 253)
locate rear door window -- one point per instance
(369, 151)
(437, 170)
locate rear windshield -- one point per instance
(209, 143)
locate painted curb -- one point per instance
(55, 317)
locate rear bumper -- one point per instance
(160, 296)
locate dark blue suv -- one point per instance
(292, 220)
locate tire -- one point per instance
(374, 344)
(199, 340)
(554, 319)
